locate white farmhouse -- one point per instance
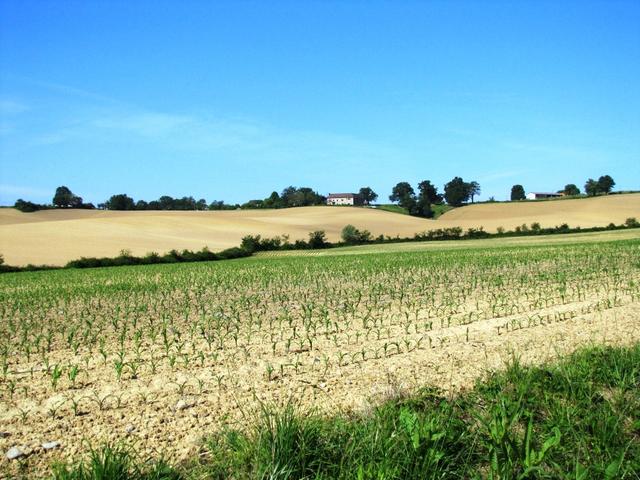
(539, 195)
(343, 199)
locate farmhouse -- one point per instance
(539, 195)
(344, 199)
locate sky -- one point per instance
(233, 100)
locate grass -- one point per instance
(578, 418)
(438, 209)
(393, 208)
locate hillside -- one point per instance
(57, 236)
(54, 236)
(583, 212)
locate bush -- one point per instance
(476, 233)
(26, 206)
(631, 222)
(318, 239)
(352, 236)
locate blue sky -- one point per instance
(232, 100)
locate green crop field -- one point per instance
(159, 357)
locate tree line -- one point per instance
(456, 192)
(417, 203)
(602, 186)
(289, 197)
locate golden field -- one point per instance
(56, 236)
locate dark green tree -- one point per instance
(26, 206)
(571, 189)
(63, 197)
(405, 196)
(591, 187)
(166, 202)
(273, 201)
(300, 197)
(120, 202)
(317, 239)
(457, 191)
(427, 195)
(429, 192)
(517, 193)
(352, 236)
(367, 195)
(605, 184)
(287, 195)
(474, 189)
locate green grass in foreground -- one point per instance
(575, 419)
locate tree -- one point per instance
(429, 191)
(474, 189)
(317, 239)
(120, 202)
(300, 197)
(457, 191)
(571, 189)
(76, 202)
(405, 196)
(63, 197)
(427, 195)
(26, 206)
(591, 188)
(517, 193)
(605, 184)
(166, 202)
(201, 204)
(352, 236)
(367, 195)
(287, 195)
(273, 201)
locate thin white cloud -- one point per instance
(105, 119)
(190, 132)
(147, 124)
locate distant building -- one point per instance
(539, 195)
(344, 199)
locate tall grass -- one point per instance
(575, 419)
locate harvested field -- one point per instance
(161, 355)
(579, 212)
(54, 237)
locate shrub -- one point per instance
(26, 206)
(352, 236)
(631, 222)
(476, 233)
(250, 243)
(318, 239)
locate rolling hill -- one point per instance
(57, 236)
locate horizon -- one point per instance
(234, 100)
